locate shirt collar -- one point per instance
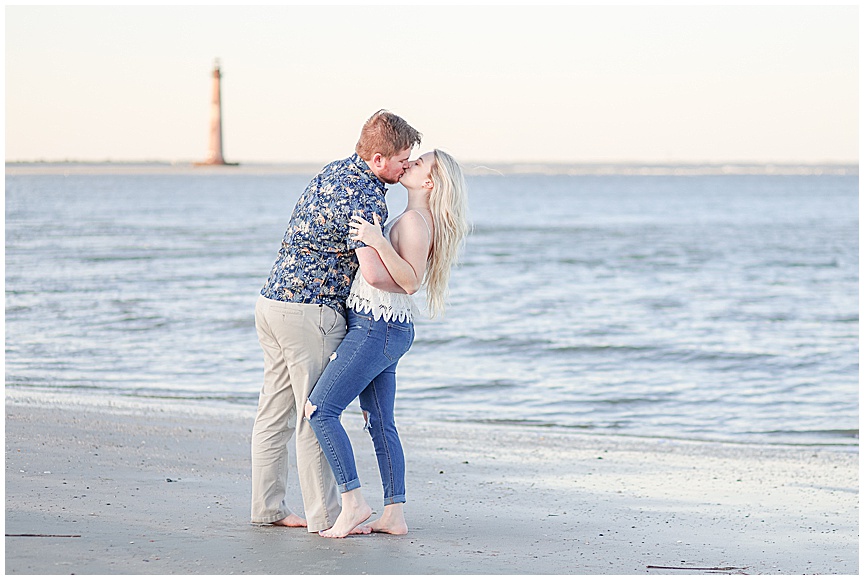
(363, 167)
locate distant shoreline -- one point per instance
(471, 168)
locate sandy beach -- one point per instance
(118, 486)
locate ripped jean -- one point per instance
(364, 365)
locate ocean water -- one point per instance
(717, 307)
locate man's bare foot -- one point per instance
(292, 521)
(355, 511)
(392, 521)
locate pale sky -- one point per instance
(487, 83)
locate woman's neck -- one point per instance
(418, 199)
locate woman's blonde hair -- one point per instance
(448, 203)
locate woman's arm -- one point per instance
(375, 272)
(405, 259)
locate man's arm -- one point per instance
(374, 272)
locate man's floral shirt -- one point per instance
(316, 263)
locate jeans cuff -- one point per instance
(394, 499)
(346, 487)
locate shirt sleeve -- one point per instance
(367, 205)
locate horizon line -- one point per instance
(502, 162)
(68, 167)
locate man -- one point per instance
(300, 317)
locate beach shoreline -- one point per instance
(155, 488)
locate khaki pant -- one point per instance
(297, 340)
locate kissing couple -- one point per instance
(336, 315)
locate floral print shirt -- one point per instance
(316, 262)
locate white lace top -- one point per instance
(391, 305)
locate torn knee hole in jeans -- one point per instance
(309, 409)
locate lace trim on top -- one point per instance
(381, 304)
(390, 305)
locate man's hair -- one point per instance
(387, 134)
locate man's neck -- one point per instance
(372, 169)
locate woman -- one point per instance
(417, 247)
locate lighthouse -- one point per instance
(214, 154)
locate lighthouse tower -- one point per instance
(214, 154)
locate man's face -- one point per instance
(390, 169)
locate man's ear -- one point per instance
(377, 160)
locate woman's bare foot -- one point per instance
(392, 521)
(291, 521)
(355, 511)
(360, 530)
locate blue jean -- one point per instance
(364, 365)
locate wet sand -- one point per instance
(143, 488)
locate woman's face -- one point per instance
(419, 172)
